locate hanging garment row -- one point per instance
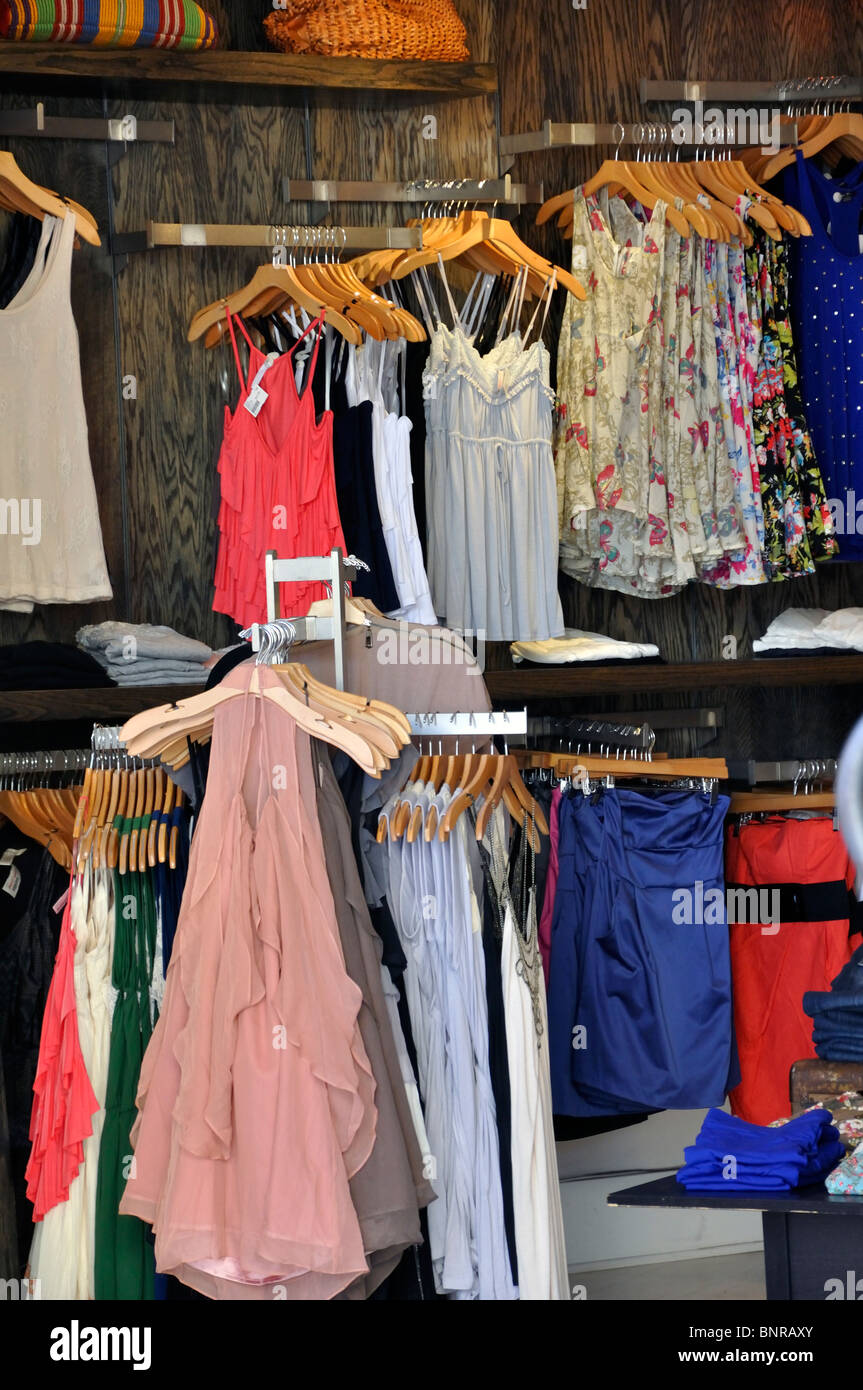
(82, 972)
(682, 447)
(455, 456)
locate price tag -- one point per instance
(13, 882)
(255, 400)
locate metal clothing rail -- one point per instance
(252, 234)
(498, 724)
(586, 732)
(105, 738)
(117, 130)
(653, 136)
(417, 191)
(789, 770)
(54, 760)
(788, 89)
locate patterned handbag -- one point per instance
(429, 30)
(109, 23)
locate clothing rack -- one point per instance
(563, 135)
(789, 770)
(639, 738)
(665, 769)
(159, 234)
(328, 191)
(55, 760)
(105, 738)
(116, 130)
(497, 724)
(671, 718)
(786, 90)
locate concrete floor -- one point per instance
(710, 1279)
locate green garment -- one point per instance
(124, 1254)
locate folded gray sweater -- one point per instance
(126, 642)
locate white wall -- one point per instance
(599, 1236)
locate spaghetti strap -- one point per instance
(243, 383)
(318, 324)
(243, 330)
(546, 295)
(455, 317)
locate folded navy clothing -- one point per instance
(819, 1006)
(846, 991)
(731, 1154)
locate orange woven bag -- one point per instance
(429, 30)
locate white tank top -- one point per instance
(51, 547)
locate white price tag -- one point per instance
(579, 258)
(13, 882)
(255, 400)
(9, 856)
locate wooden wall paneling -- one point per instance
(227, 166)
(77, 168)
(423, 139)
(240, 25)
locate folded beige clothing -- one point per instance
(576, 645)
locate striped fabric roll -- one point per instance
(109, 23)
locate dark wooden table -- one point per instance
(810, 1237)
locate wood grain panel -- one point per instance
(174, 428)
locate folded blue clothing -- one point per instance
(803, 1130)
(818, 1002)
(833, 1050)
(839, 1021)
(827, 1027)
(850, 977)
(765, 1158)
(786, 1172)
(846, 990)
(718, 1184)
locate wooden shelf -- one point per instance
(114, 705)
(570, 682)
(260, 77)
(510, 686)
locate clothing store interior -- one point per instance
(431, 650)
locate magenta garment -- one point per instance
(256, 1096)
(550, 885)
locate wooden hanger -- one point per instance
(664, 769)
(269, 286)
(158, 799)
(151, 733)
(501, 236)
(167, 807)
(623, 173)
(846, 126)
(175, 833)
(20, 194)
(782, 801)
